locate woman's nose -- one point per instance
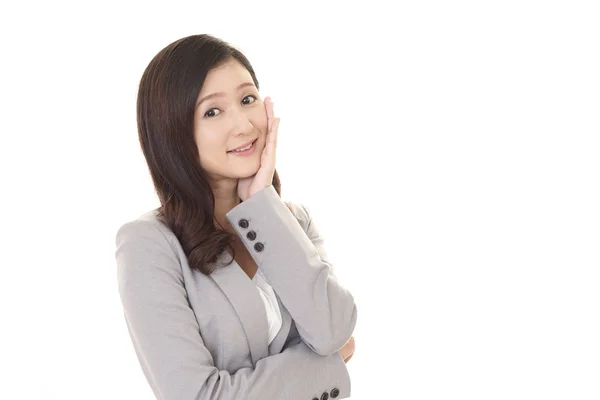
(241, 122)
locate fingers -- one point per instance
(351, 347)
(275, 131)
(270, 112)
(272, 127)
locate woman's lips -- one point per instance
(245, 152)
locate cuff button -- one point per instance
(324, 396)
(251, 235)
(335, 393)
(243, 223)
(259, 247)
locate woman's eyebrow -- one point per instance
(209, 96)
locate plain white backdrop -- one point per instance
(449, 151)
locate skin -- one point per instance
(226, 122)
(347, 351)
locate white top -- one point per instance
(271, 305)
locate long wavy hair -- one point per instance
(166, 100)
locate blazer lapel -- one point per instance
(277, 344)
(244, 297)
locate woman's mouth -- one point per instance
(245, 152)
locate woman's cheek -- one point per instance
(258, 121)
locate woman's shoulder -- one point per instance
(148, 218)
(146, 227)
(146, 253)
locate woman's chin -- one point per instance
(247, 172)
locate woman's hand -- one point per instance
(347, 351)
(264, 176)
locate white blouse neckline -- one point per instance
(269, 298)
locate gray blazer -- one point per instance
(206, 337)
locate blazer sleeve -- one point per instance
(168, 342)
(294, 263)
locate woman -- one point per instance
(226, 289)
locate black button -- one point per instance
(259, 247)
(314, 398)
(251, 235)
(243, 223)
(324, 396)
(335, 393)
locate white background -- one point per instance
(449, 152)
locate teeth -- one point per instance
(245, 148)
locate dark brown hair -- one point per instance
(166, 100)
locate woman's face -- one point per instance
(233, 117)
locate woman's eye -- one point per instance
(206, 114)
(250, 95)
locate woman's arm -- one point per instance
(170, 349)
(294, 262)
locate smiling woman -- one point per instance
(226, 289)
(230, 114)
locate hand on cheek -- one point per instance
(264, 176)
